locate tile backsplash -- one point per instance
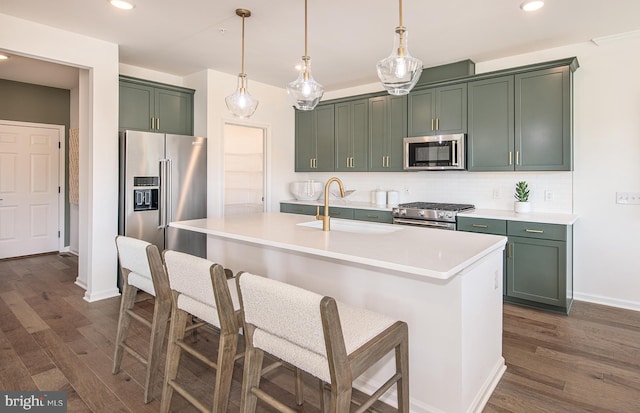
(550, 191)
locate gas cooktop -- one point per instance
(437, 206)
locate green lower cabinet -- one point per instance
(337, 212)
(373, 215)
(297, 209)
(538, 263)
(537, 271)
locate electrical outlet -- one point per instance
(631, 198)
(496, 193)
(548, 195)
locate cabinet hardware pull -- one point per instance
(158, 123)
(510, 158)
(437, 123)
(535, 231)
(311, 163)
(509, 252)
(372, 216)
(432, 120)
(315, 163)
(347, 161)
(383, 161)
(480, 226)
(388, 160)
(153, 123)
(517, 157)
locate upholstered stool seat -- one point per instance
(332, 341)
(200, 288)
(142, 269)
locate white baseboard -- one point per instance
(91, 297)
(80, 283)
(612, 302)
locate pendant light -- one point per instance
(241, 103)
(305, 91)
(400, 71)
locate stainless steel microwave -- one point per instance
(434, 153)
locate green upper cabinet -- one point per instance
(543, 120)
(315, 139)
(155, 107)
(438, 111)
(490, 141)
(351, 135)
(387, 129)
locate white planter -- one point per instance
(522, 207)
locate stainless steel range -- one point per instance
(429, 214)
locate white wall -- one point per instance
(274, 113)
(98, 122)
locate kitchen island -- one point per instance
(446, 285)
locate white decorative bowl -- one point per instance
(306, 190)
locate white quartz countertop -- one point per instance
(541, 217)
(427, 252)
(342, 203)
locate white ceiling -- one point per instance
(346, 37)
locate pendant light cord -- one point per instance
(243, 45)
(305, 29)
(400, 13)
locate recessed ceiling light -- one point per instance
(121, 4)
(532, 5)
(3, 56)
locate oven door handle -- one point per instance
(420, 223)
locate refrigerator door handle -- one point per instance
(168, 197)
(162, 219)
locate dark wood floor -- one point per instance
(51, 339)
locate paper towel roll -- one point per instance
(393, 198)
(381, 197)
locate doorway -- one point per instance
(244, 169)
(31, 188)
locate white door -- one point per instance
(28, 189)
(244, 178)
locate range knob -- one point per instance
(449, 215)
(403, 212)
(421, 213)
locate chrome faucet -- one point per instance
(326, 223)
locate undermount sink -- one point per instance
(357, 227)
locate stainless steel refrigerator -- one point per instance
(163, 178)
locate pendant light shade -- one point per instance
(399, 72)
(241, 103)
(305, 91)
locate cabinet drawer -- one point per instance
(482, 225)
(372, 215)
(537, 230)
(344, 213)
(298, 209)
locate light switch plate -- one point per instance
(632, 198)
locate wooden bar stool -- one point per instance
(202, 289)
(142, 269)
(332, 341)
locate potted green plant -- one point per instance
(521, 195)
